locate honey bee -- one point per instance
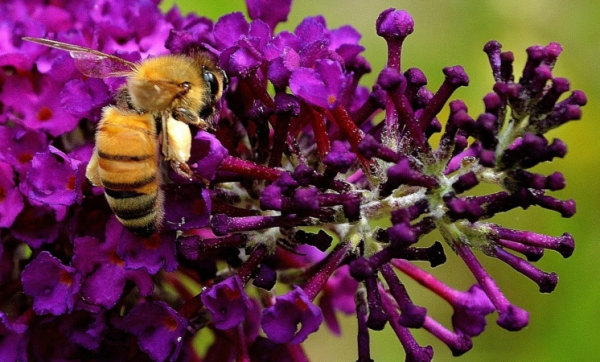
(162, 96)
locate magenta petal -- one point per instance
(227, 302)
(11, 201)
(159, 329)
(280, 322)
(12, 339)
(269, 11)
(52, 285)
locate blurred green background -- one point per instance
(564, 325)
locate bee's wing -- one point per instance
(90, 62)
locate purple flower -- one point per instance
(227, 302)
(206, 155)
(305, 180)
(53, 286)
(271, 12)
(45, 219)
(11, 201)
(54, 179)
(322, 86)
(103, 271)
(84, 328)
(37, 111)
(280, 322)
(338, 295)
(158, 328)
(20, 145)
(151, 254)
(12, 343)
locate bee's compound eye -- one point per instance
(211, 81)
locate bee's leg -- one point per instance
(123, 100)
(185, 115)
(165, 138)
(184, 170)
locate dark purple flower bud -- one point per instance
(415, 79)
(227, 302)
(493, 49)
(526, 151)
(465, 182)
(271, 197)
(493, 103)
(402, 173)
(511, 317)
(559, 86)
(159, 329)
(280, 321)
(394, 25)
(414, 352)
(321, 240)
(351, 207)
(305, 200)
(566, 208)
(535, 56)
(401, 236)
(193, 247)
(412, 316)
(434, 254)
(553, 50)
(390, 79)
(486, 130)
(265, 277)
(377, 317)
(460, 208)
(407, 214)
(458, 343)
(546, 281)
(339, 159)
(361, 269)
(487, 158)
(52, 285)
(506, 66)
(455, 77)
(555, 182)
(364, 352)
(542, 75)
(220, 224)
(369, 148)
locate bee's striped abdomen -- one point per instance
(127, 168)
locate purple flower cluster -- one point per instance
(296, 172)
